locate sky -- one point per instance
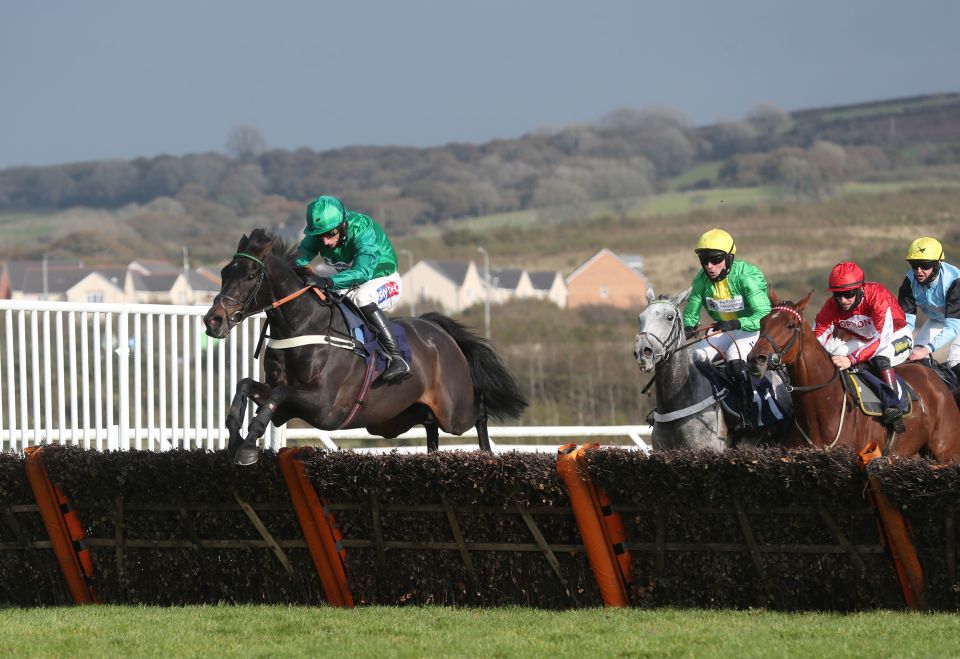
(104, 79)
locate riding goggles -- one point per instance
(713, 259)
(846, 295)
(922, 265)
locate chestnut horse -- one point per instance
(825, 415)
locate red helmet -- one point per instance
(845, 277)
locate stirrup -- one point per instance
(397, 369)
(892, 417)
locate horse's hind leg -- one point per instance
(483, 436)
(246, 388)
(433, 434)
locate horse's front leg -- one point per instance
(300, 399)
(247, 388)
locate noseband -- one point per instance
(672, 344)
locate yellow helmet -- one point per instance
(925, 249)
(717, 239)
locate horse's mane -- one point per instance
(286, 251)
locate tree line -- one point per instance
(627, 154)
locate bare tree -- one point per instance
(245, 141)
(769, 120)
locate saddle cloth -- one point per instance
(864, 386)
(360, 331)
(766, 411)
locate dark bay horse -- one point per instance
(826, 416)
(458, 381)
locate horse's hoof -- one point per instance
(247, 456)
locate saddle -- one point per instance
(866, 390)
(948, 375)
(361, 332)
(764, 410)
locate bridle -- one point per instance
(240, 314)
(672, 344)
(776, 361)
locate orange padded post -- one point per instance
(587, 510)
(66, 533)
(896, 536)
(318, 530)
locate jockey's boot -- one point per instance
(397, 367)
(892, 416)
(743, 390)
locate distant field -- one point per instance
(254, 631)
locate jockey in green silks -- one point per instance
(734, 293)
(366, 265)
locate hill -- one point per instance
(627, 158)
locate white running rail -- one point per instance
(139, 376)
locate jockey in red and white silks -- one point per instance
(876, 327)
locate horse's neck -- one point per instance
(303, 314)
(679, 380)
(815, 368)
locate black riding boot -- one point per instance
(743, 390)
(397, 367)
(892, 416)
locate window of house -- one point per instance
(95, 296)
(604, 292)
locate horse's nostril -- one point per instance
(647, 352)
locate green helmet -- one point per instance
(323, 214)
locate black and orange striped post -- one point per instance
(588, 512)
(895, 536)
(319, 530)
(63, 528)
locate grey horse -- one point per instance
(688, 413)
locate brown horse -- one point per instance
(826, 416)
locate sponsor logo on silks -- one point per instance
(732, 305)
(387, 291)
(902, 345)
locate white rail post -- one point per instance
(123, 355)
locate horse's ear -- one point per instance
(802, 304)
(651, 296)
(772, 295)
(243, 241)
(678, 300)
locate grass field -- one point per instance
(230, 631)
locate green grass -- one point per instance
(228, 631)
(706, 170)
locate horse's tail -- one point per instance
(493, 383)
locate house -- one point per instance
(606, 278)
(197, 286)
(549, 285)
(453, 285)
(99, 285)
(68, 282)
(509, 283)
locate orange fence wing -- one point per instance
(65, 530)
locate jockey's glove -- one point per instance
(689, 332)
(323, 283)
(727, 325)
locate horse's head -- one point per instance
(661, 329)
(242, 290)
(780, 336)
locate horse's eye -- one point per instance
(670, 317)
(251, 276)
